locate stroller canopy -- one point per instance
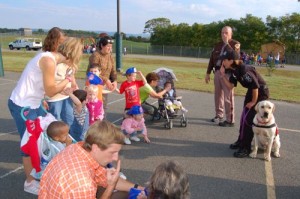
(165, 74)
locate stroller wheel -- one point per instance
(166, 125)
(170, 124)
(184, 122)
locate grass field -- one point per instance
(284, 85)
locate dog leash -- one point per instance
(244, 121)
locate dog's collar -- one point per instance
(264, 126)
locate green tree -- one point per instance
(274, 27)
(152, 24)
(291, 31)
(251, 32)
(197, 35)
(40, 31)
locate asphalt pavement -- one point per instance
(202, 148)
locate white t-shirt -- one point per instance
(30, 88)
(60, 75)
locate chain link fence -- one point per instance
(177, 51)
(160, 50)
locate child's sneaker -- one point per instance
(184, 110)
(134, 138)
(127, 141)
(32, 187)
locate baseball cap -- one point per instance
(135, 110)
(94, 79)
(130, 71)
(230, 55)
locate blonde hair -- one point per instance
(169, 181)
(103, 133)
(72, 50)
(92, 88)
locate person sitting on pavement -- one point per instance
(134, 125)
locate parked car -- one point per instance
(27, 43)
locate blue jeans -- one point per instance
(149, 109)
(78, 131)
(62, 110)
(135, 133)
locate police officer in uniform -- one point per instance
(224, 96)
(257, 91)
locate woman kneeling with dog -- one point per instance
(257, 91)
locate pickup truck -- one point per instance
(27, 43)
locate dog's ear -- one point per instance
(273, 109)
(256, 107)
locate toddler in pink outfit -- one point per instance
(134, 125)
(94, 105)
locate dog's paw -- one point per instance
(268, 158)
(276, 154)
(253, 155)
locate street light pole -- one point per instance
(118, 40)
(1, 63)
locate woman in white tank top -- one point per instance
(36, 81)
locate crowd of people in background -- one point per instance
(89, 48)
(257, 59)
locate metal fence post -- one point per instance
(1, 63)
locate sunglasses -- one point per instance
(110, 41)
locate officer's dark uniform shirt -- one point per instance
(247, 76)
(250, 79)
(214, 61)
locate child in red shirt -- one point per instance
(131, 87)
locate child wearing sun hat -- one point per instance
(134, 125)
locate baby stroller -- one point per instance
(167, 75)
(35, 141)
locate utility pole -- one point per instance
(1, 63)
(118, 40)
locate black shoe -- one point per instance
(226, 124)
(235, 145)
(157, 117)
(241, 153)
(216, 119)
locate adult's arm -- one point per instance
(157, 95)
(47, 66)
(249, 105)
(125, 185)
(112, 179)
(227, 83)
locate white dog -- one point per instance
(265, 130)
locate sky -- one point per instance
(101, 15)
